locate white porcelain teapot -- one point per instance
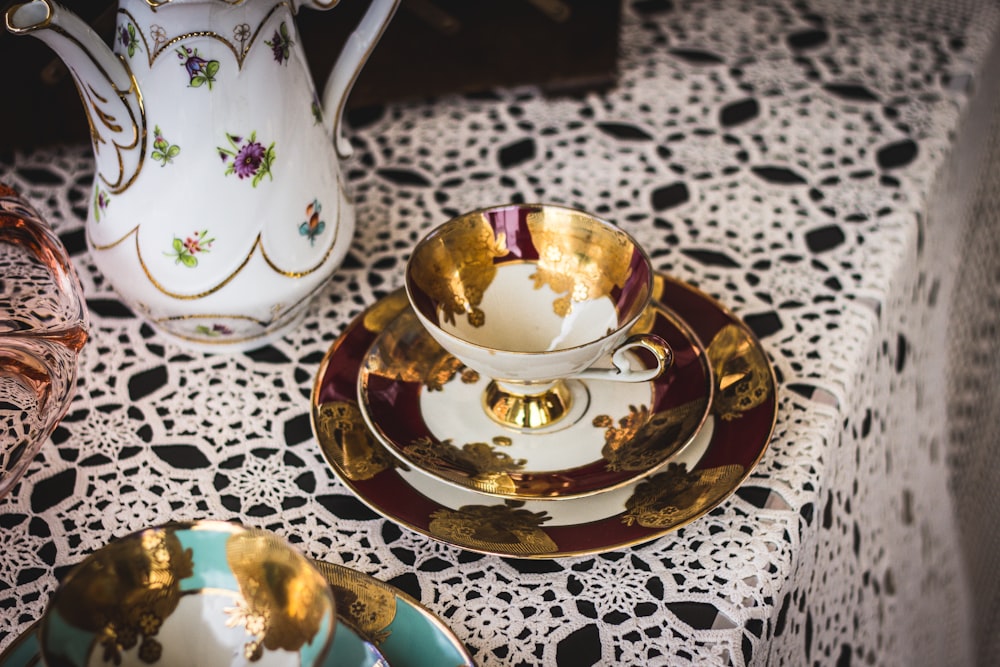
(218, 207)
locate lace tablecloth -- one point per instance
(813, 165)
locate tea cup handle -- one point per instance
(623, 371)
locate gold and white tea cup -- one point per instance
(535, 297)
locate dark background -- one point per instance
(430, 48)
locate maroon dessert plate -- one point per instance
(706, 470)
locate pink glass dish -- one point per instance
(43, 326)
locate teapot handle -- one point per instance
(349, 63)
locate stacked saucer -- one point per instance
(431, 418)
(414, 432)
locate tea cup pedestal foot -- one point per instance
(448, 434)
(534, 408)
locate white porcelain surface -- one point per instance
(454, 413)
(522, 339)
(217, 645)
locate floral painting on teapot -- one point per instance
(218, 204)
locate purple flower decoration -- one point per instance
(199, 70)
(281, 44)
(126, 35)
(214, 331)
(194, 65)
(101, 201)
(247, 158)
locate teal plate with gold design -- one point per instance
(377, 625)
(708, 470)
(407, 633)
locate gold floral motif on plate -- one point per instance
(673, 497)
(506, 528)
(742, 372)
(347, 441)
(366, 602)
(642, 440)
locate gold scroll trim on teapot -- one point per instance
(257, 244)
(124, 134)
(161, 42)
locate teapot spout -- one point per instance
(108, 89)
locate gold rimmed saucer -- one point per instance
(426, 409)
(722, 455)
